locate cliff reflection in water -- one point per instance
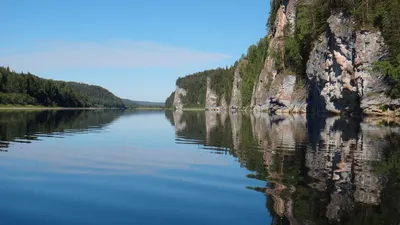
(27, 126)
(317, 170)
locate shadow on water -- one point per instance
(28, 126)
(317, 170)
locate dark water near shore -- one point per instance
(127, 167)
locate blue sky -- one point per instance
(136, 49)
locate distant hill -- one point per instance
(96, 96)
(134, 104)
(28, 89)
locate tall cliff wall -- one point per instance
(275, 89)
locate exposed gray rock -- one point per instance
(223, 106)
(273, 91)
(290, 11)
(212, 100)
(262, 93)
(236, 99)
(282, 101)
(372, 87)
(211, 97)
(340, 70)
(178, 101)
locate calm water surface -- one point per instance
(124, 167)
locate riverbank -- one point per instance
(13, 107)
(188, 109)
(32, 107)
(148, 109)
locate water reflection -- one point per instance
(316, 170)
(27, 126)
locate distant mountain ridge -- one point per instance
(134, 104)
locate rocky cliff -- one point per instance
(340, 70)
(178, 101)
(266, 90)
(236, 98)
(338, 75)
(213, 101)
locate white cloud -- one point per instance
(116, 54)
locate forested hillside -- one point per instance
(169, 103)
(137, 104)
(96, 96)
(197, 84)
(28, 89)
(250, 69)
(221, 82)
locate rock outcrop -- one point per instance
(273, 91)
(178, 98)
(340, 70)
(211, 97)
(236, 98)
(213, 102)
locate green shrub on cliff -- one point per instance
(169, 103)
(222, 81)
(196, 86)
(250, 71)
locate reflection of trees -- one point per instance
(24, 126)
(318, 170)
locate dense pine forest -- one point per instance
(28, 89)
(169, 103)
(96, 96)
(131, 104)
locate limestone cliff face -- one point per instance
(340, 70)
(211, 97)
(178, 101)
(236, 98)
(275, 92)
(261, 91)
(339, 73)
(213, 102)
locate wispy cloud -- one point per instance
(115, 54)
